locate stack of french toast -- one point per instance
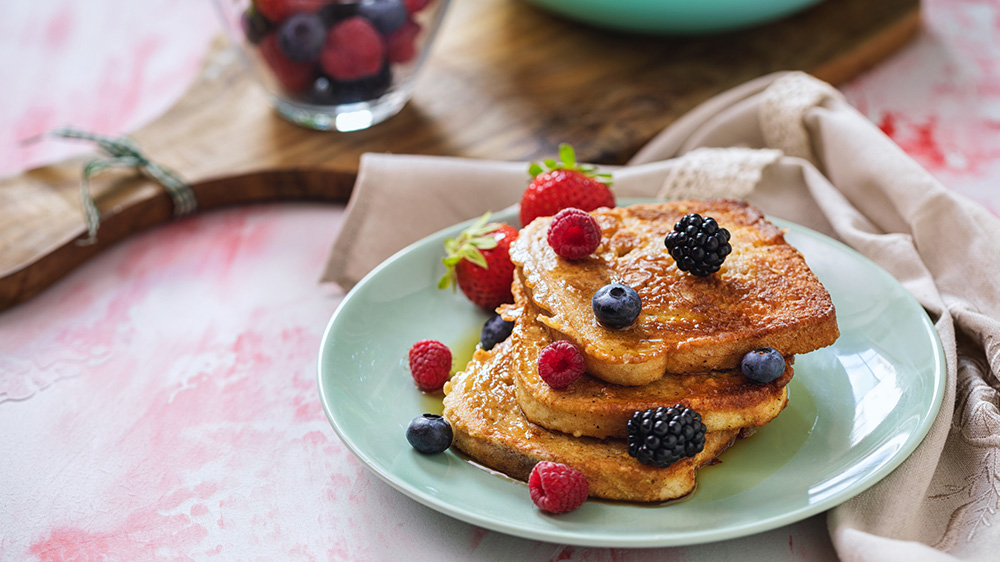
(685, 347)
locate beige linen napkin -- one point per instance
(791, 145)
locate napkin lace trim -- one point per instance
(716, 173)
(783, 108)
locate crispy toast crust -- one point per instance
(764, 294)
(481, 406)
(589, 406)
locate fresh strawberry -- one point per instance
(293, 76)
(564, 184)
(478, 261)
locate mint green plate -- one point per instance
(856, 409)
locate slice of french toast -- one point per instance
(589, 406)
(488, 425)
(763, 295)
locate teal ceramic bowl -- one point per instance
(676, 17)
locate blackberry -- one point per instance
(662, 436)
(364, 89)
(336, 12)
(323, 91)
(698, 245)
(255, 25)
(494, 331)
(328, 91)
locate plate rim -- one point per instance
(574, 537)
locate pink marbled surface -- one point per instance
(160, 403)
(939, 98)
(107, 66)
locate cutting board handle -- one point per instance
(25, 274)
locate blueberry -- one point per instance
(430, 434)
(495, 330)
(616, 305)
(386, 15)
(301, 37)
(763, 365)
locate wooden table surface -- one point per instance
(505, 81)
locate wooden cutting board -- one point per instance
(505, 81)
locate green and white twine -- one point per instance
(123, 152)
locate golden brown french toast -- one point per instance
(488, 426)
(763, 295)
(589, 406)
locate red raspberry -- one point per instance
(279, 10)
(574, 234)
(560, 363)
(430, 364)
(557, 488)
(293, 76)
(414, 6)
(401, 45)
(353, 50)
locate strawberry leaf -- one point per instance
(567, 161)
(484, 242)
(468, 245)
(475, 256)
(567, 155)
(479, 224)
